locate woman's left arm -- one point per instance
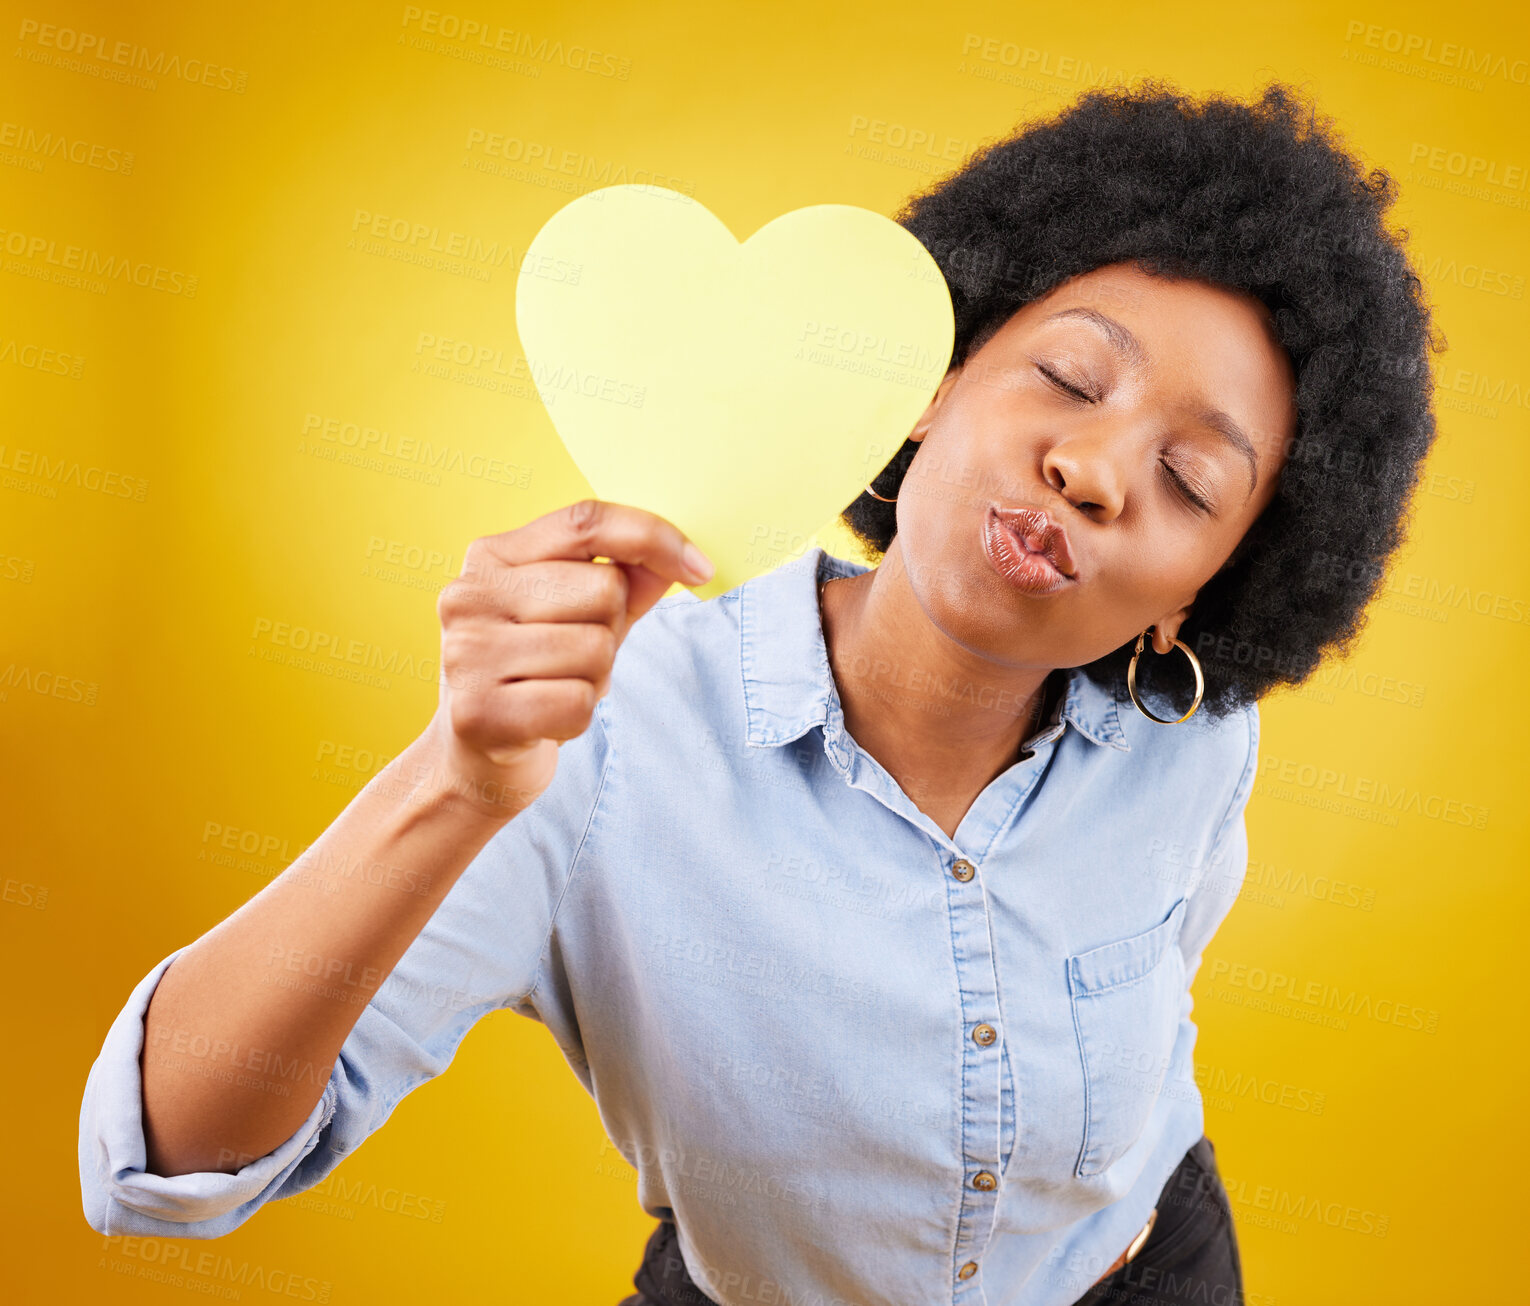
(1225, 865)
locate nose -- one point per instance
(1086, 469)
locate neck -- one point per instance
(935, 714)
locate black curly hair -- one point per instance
(1261, 197)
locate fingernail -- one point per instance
(696, 562)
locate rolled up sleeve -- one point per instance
(119, 1195)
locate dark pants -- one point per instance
(1192, 1253)
(1190, 1257)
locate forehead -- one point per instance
(1172, 316)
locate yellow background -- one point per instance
(150, 608)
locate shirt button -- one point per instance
(967, 1271)
(962, 869)
(984, 1035)
(984, 1181)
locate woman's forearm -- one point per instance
(246, 1023)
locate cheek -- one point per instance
(1157, 574)
(950, 483)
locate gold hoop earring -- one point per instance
(882, 497)
(1131, 681)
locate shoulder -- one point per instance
(667, 695)
(679, 662)
(1232, 736)
(1216, 756)
(683, 633)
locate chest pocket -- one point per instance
(1126, 1009)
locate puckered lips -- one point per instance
(1029, 549)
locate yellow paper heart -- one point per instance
(747, 392)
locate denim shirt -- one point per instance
(855, 1060)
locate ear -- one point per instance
(1166, 629)
(922, 426)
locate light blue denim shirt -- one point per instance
(847, 1054)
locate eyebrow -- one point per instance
(1123, 340)
(1229, 430)
(1126, 344)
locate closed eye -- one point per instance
(1183, 488)
(1067, 387)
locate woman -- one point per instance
(866, 901)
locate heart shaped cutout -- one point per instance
(745, 391)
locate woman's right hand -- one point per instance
(529, 633)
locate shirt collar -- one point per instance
(788, 687)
